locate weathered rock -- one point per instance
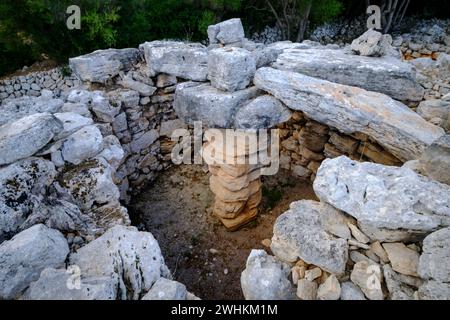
(431, 109)
(330, 289)
(168, 127)
(378, 249)
(83, 144)
(215, 108)
(386, 75)
(24, 257)
(101, 107)
(164, 289)
(434, 262)
(397, 290)
(25, 106)
(349, 109)
(264, 112)
(403, 259)
(349, 291)
(60, 284)
(23, 184)
(102, 65)
(306, 290)
(143, 89)
(313, 274)
(112, 151)
(266, 278)
(435, 161)
(391, 204)
(90, 182)
(226, 32)
(24, 137)
(131, 258)
(434, 290)
(300, 233)
(184, 60)
(71, 122)
(78, 108)
(368, 277)
(373, 44)
(230, 69)
(144, 141)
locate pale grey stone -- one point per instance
(101, 107)
(144, 141)
(349, 291)
(390, 203)
(373, 44)
(215, 108)
(143, 89)
(434, 290)
(71, 122)
(167, 127)
(131, 258)
(23, 185)
(78, 108)
(349, 109)
(435, 161)
(264, 112)
(386, 75)
(299, 233)
(230, 69)
(397, 290)
(24, 257)
(60, 284)
(434, 262)
(24, 137)
(185, 60)
(266, 278)
(102, 65)
(330, 289)
(226, 32)
(368, 276)
(83, 144)
(165, 289)
(112, 151)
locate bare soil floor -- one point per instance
(199, 251)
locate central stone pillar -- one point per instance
(235, 176)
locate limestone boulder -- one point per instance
(390, 203)
(83, 144)
(102, 65)
(266, 278)
(373, 44)
(132, 259)
(434, 262)
(435, 161)
(71, 122)
(165, 289)
(226, 32)
(28, 253)
(301, 233)
(349, 109)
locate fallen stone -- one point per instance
(368, 277)
(373, 44)
(58, 284)
(164, 289)
(300, 233)
(83, 144)
(143, 89)
(350, 109)
(263, 112)
(403, 259)
(215, 108)
(102, 65)
(26, 136)
(330, 289)
(28, 253)
(391, 204)
(435, 161)
(131, 258)
(349, 291)
(230, 69)
(266, 278)
(226, 32)
(71, 123)
(306, 290)
(357, 234)
(386, 75)
(434, 262)
(185, 60)
(23, 185)
(397, 290)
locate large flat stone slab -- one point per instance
(387, 74)
(350, 109)
(390, 203)
(215, 108)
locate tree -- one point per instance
(293, 16)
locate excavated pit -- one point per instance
(177, 209)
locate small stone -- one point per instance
(403, 259)
(330, 289)
(313, 274)
(369, 278)
(306, 290)
(266, 242)
(349, 291)
(359, 236)
(378, 249)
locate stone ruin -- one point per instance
(72, 154)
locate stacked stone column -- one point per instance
(235, 180)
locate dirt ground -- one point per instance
(199, 251)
